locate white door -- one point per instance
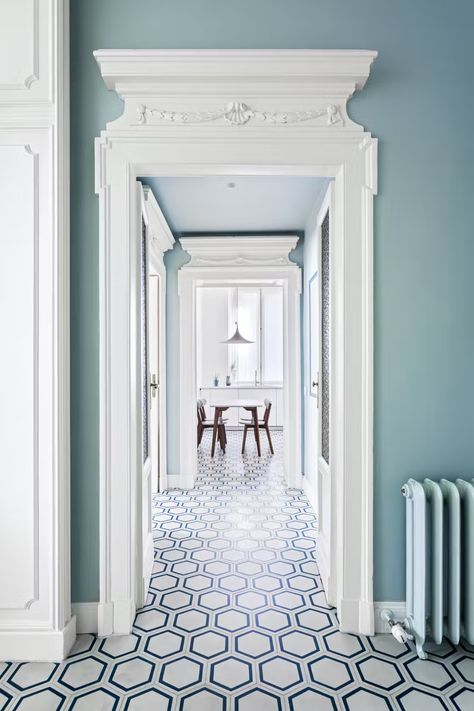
(323, 379)
(155, 377)
(317, 387)
(312, 440)
(145, 544)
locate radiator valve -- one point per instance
(396, 628)
(399, 632)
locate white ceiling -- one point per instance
(254, 204)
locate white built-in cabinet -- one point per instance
(35, 612)
(223, 394)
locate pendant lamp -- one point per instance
(237, 337)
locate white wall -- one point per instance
(212, 327)
(216, 312)
(35, 616)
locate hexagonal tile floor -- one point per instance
(237, 619)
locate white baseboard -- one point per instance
(398, 608)
(37, 645)
(105, 618)
(86, 617)
(178, 481)
(356, 617)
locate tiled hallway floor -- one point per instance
(237, 619)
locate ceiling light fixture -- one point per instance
(237, 338)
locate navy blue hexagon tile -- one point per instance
(237, 620)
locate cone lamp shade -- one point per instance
(237, 337)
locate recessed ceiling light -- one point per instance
(231, 185)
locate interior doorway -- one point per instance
(239, 358)
(247, 262)
(299, 127)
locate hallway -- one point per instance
(237, 619)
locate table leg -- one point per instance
(217, 414)
(256, 430)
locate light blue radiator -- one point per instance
(440, 561)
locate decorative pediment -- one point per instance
(239, 251)
(256, 89)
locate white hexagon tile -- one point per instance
(237, 619)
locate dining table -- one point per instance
(249, 405)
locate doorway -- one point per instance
(297, 127)
(239, 351)
(248, 262)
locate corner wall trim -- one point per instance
(86, 617)
(398, 607)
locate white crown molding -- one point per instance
(160, 234)
(129, 68)
(238, 251)
(166, 88)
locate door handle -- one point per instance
(153, 385)
(315, 384)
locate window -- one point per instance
(259, 313)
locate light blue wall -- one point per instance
(419, 102)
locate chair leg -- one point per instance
(244, 439)
(267, 430)
(256, 431)
(222, 439)
(200, 430)
(217, 414)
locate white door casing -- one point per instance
(158, 238)
(248, 112)
(145, 547)
(35, 610)
(240, 261)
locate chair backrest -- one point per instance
(200, 409)
(268, 407)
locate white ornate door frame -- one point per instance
(240, 260)
(196, 113)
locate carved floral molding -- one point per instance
(237, 113)
(239, 251)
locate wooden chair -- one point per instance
(262, 424)
(204, 424)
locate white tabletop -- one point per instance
(239, 403)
